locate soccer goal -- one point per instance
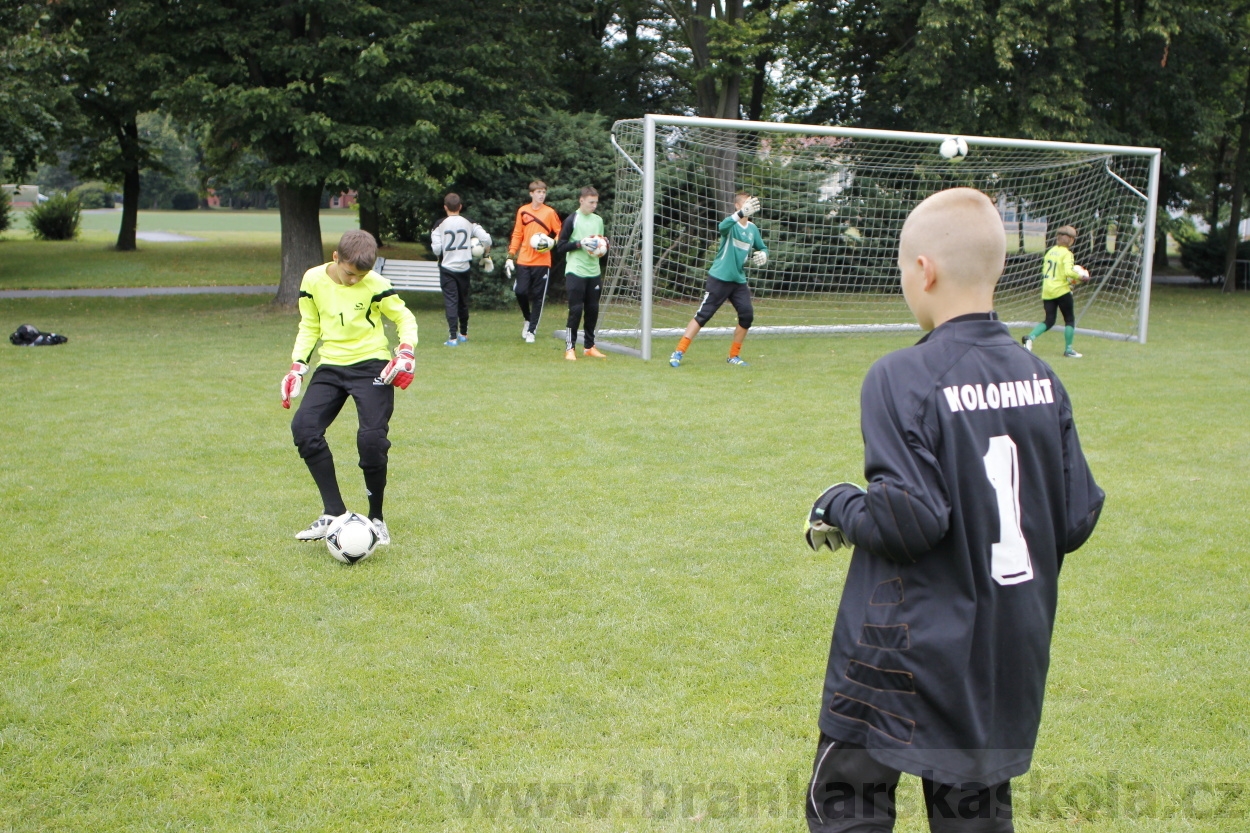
(834, 199)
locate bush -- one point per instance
(93, 195)
(5, 217)
(1204, 256)
(185, 201)
(56, 219)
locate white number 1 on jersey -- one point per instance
(1009, 558)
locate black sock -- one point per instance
(322, 469)
(375, 485)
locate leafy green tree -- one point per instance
(375, 96)
(33, 106)
(122, 61)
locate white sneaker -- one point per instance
(529, 337)
(525, 330)
(384, 535)
(1028, 343)
(317, 531)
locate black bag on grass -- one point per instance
(28, 336)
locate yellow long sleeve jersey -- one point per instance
(347, 320)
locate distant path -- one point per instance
(131, 292)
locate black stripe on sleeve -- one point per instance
(304, 294)
(384, 294)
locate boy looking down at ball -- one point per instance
(977, 488)
(341, 305)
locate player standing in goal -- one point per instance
(341, 304)
(727, 280)
(1059, 275)
(581, 238)
(977, 487)
(529, 256)
(451, 241)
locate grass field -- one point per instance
(238, 248)
(597, 613)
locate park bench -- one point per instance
(410, 275)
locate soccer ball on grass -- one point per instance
(953, 148)
(351, 538)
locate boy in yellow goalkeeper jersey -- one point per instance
(1059, 274)
(341, 305)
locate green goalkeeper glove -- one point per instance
(816, 529)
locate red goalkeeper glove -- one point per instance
(292, 382)
(398, 371)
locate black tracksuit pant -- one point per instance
(327, 392)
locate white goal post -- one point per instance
(834, 199)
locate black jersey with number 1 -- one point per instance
(977, 487)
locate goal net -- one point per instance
(834, 200)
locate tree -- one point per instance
(33, 106)
(122, 61)
(380, 96)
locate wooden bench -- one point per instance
(410, 275)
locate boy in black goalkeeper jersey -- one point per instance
(977, 488)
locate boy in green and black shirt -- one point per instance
(727, 280)
(581, 238)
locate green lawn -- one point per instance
(239, 248)
(597, 613)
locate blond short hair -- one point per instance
(358, 248)
(962, 231)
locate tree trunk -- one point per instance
(370, 216)
(1218, 178)
(129, 140)
(755, 109)
(1238, 195)
(298, 209)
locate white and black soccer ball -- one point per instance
(953, 148)
(476, 249)
(351, 538)
(540, 242)
(601, 246)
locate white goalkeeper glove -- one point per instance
(759, 257)
(589, 244)
(488, 265)
(508, 266)
(749, 207)
(541, 242)
(399, 370)
(816, 529)
(292, 382)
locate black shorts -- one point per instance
(1061, 304)
(716, 292)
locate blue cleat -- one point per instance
(736, 361)
(675, 359)
(462, 338)
(451, 342)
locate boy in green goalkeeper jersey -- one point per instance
(341, 305)
(581, 239)
(1059, 274)
(740, 243)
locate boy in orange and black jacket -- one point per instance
(530, 267)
